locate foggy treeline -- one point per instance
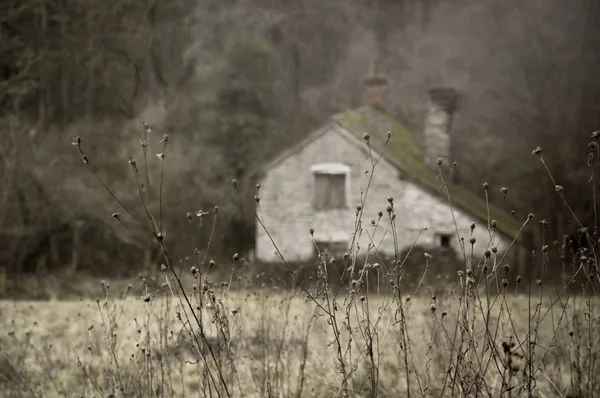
(233, 82)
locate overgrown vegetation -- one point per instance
(484, 332)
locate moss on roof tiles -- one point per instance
(406, 153)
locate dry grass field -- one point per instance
(270, 343)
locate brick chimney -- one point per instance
(375, 86)
(438, 124)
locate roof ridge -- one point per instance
(359, 121)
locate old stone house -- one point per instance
(319, 183)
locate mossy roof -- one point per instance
(405, 151)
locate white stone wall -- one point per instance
(286, 202)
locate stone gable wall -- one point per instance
(286, 202)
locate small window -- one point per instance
(444, 241)
(331, 186)
(330, 191)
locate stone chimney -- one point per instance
(438, 124)
(375, 86)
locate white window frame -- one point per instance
(331, 168)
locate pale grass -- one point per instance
(65, 331)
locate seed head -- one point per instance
(236, 257)
(519, 279)
(389, 209)
(440, 161)
(504, 190)
(189, 215)
(494, 223)
(506, 268)
(433, 307)
(427, 256)
(256, 198)
(388, 135)
(116, 216)
(486, 186)
(216, 209)
(530, 216)
(488, 253)
(132, 162)
(472, 240)
(472, 226)
(596, 135)
(211, 263)
(380, 214)
(504, 282)
(312, 231)
(494, 249)
(358, 208)
(558, 188)
(77, 141)
(390, 200)
(160, 236)
(160, 155)
(537, 151)
(163, 267)
(469, 272)
(538, 282)
(366, 137)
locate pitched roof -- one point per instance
(406, 153)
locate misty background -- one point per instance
(234, 82)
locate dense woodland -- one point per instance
(233, 82)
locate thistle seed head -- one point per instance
(530, 216)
